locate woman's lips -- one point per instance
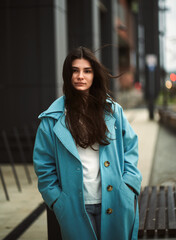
(79, 84)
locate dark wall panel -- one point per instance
(79, 23)
(27, 60)
(109, 54)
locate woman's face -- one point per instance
(82, 77)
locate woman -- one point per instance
(85, 156)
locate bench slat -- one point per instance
(171, 211)
(143, 211)
(151, 217)
(161, 216)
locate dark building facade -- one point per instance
(28, 59)
(35, 39)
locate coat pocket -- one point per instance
(60, 206)
(129, 198)
(127, 191)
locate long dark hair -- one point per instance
(85, 113)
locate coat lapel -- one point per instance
(110, 123)
(65, 136)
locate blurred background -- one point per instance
(133, 37)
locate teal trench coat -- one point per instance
(60, 176)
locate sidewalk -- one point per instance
(164, 165)
(147, 132)
(21, 204)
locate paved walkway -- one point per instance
(21, 204)
(164, 164)
(147, 132)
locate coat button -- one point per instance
(109, 211)
(109, 188)
(106, 163)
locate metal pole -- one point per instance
(151, 92)
(22, 155)
(4, 186)
(11, 160)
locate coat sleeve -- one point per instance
(131, 174)
(44, 164)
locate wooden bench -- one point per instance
(157, 206)
(157, 212)
(168, 118)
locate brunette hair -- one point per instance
(85, 113)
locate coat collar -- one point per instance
(57, 112)
(58, 106)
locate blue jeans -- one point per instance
(94, 213)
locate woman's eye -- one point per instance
(88, 71)
(74, 70)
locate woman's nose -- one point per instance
(80, 75)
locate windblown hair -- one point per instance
(85, 113)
